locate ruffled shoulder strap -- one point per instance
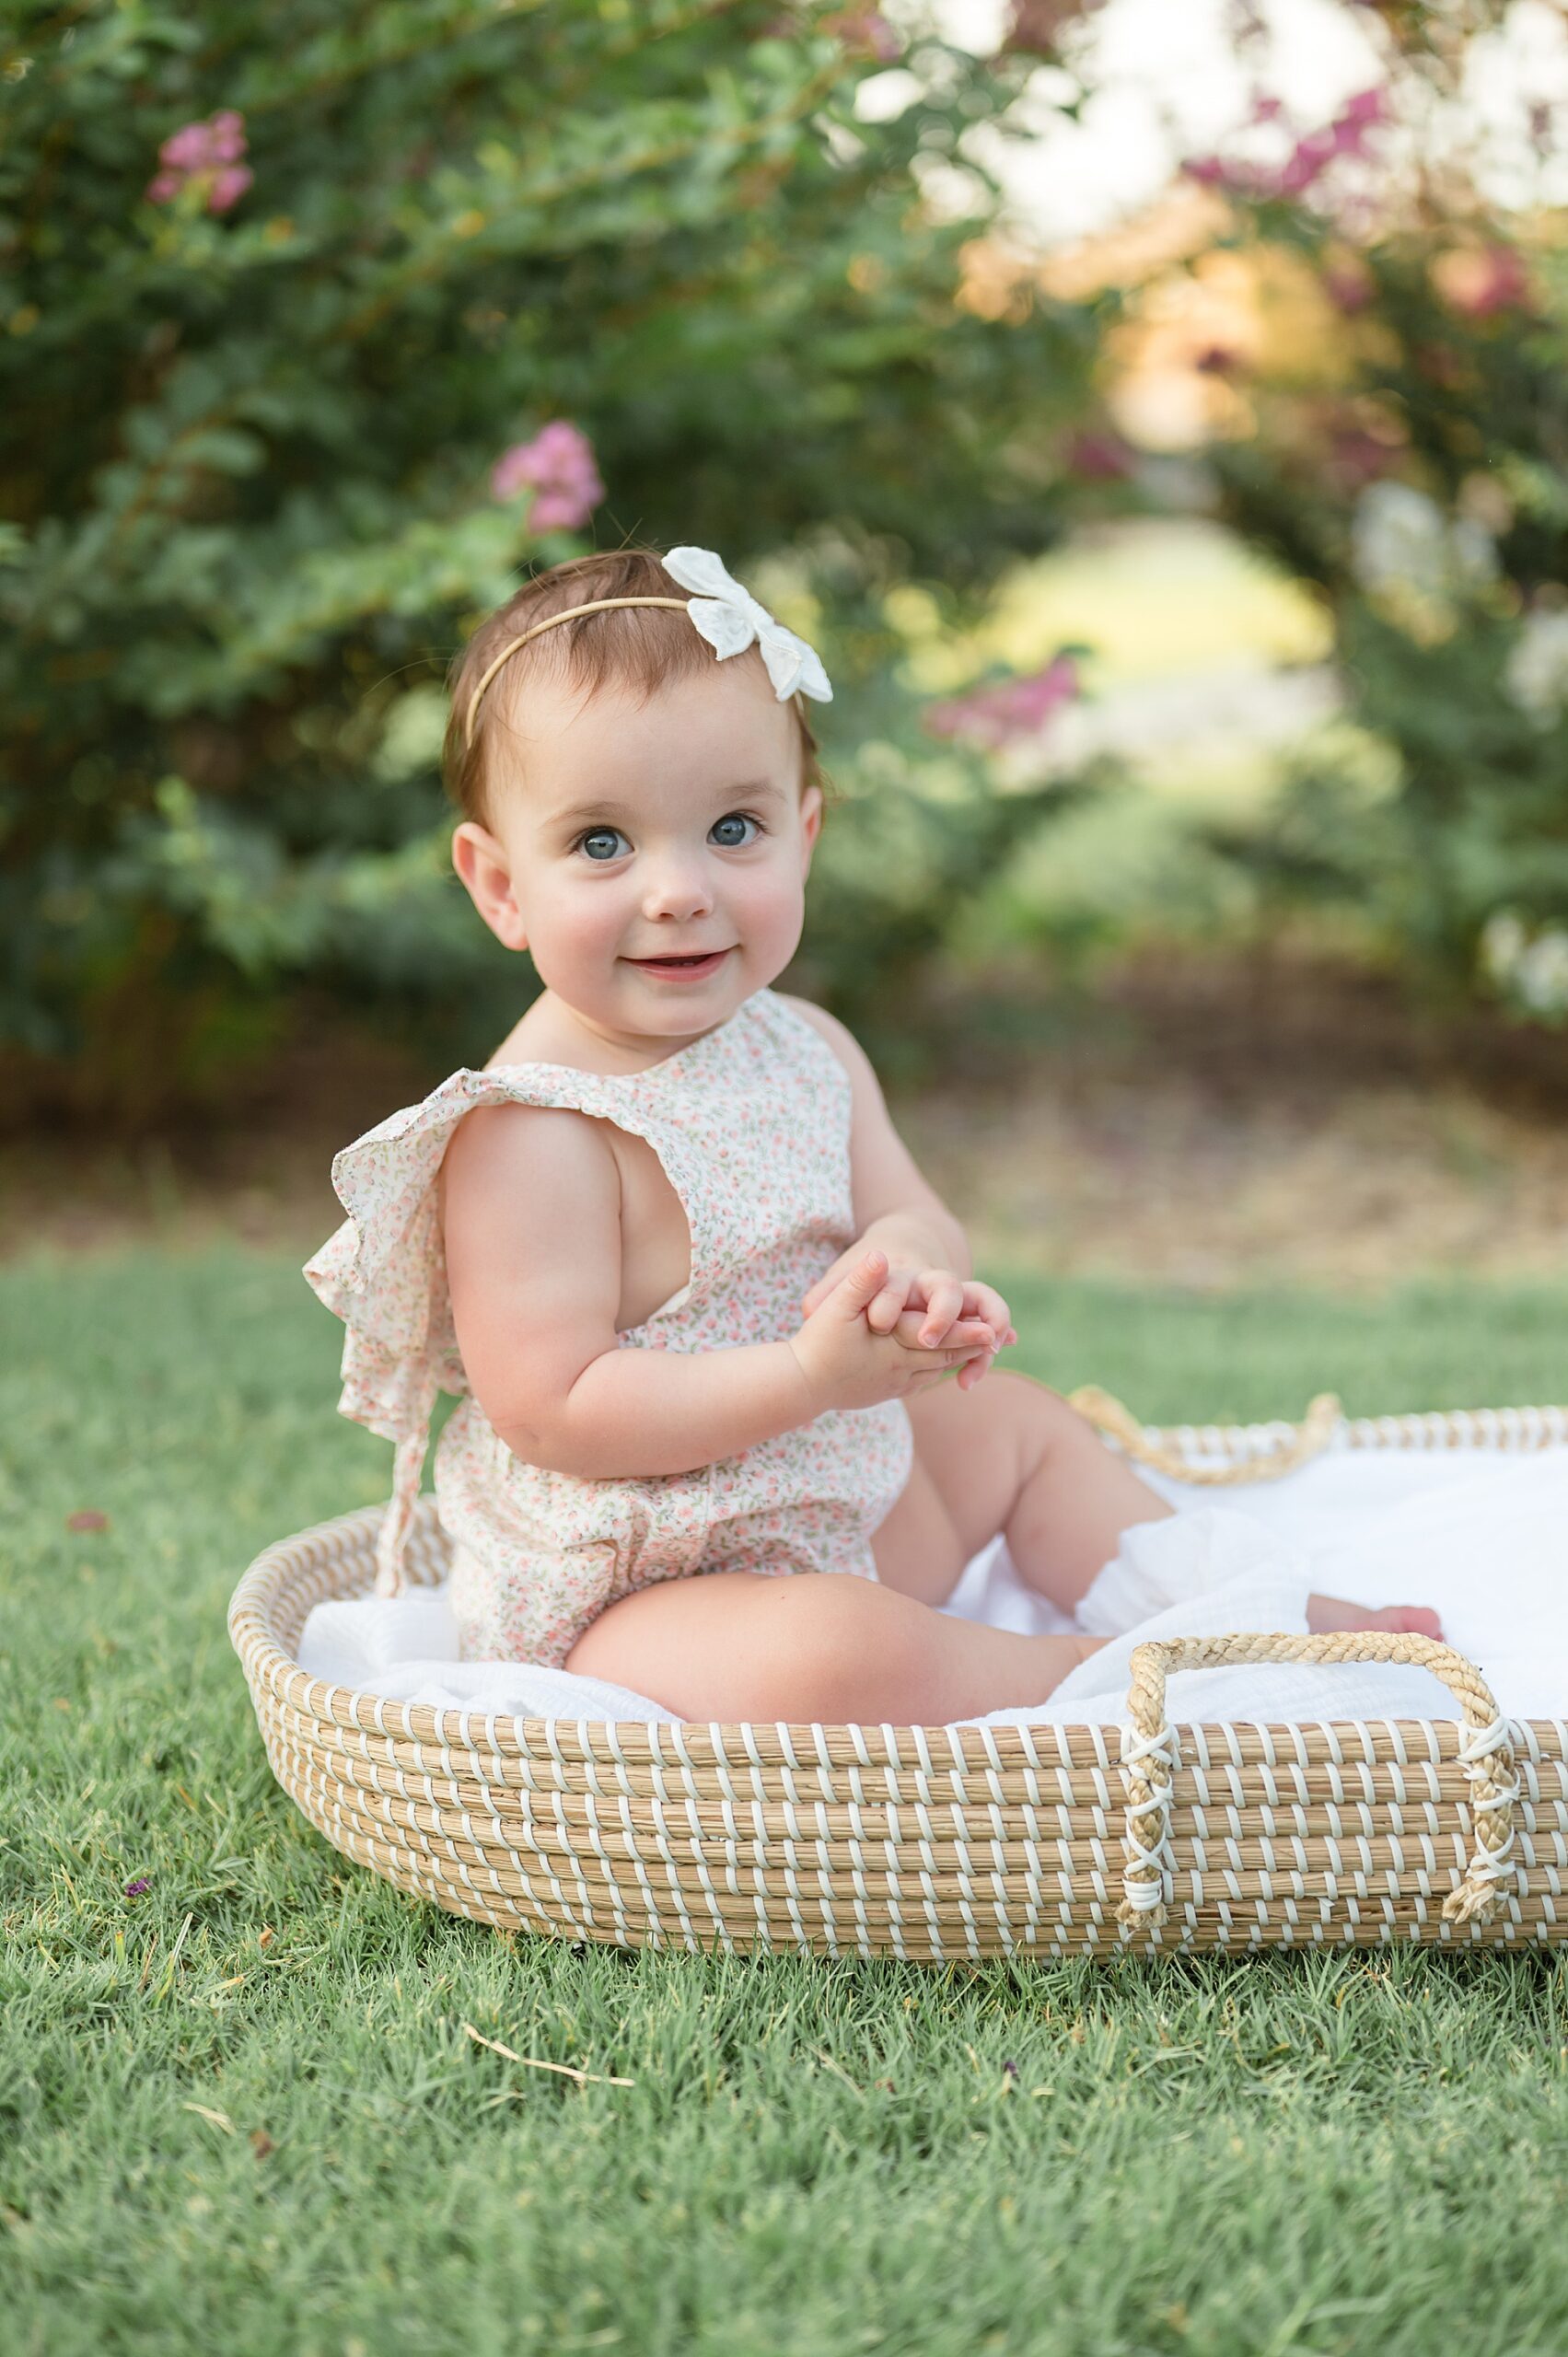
(384, 1271)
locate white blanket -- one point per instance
(1481, 1536)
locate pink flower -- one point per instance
(188, 150)
(1355, 458)
(1478, 281)
(199, 146)
(1307, 160)
(994, 716)
(865, 34)
(1441, 363)
(229, 186)
(1100, 458)
(1366, 110)
(558, 465)
(1034, 27)
(205, 154)
(1350, 287)
(1346, 136)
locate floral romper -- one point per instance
(752, 1123)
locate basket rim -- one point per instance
(791, 1743)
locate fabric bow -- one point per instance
(729, 618)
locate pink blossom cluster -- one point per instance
(994, 716)
(1355, 458)
(1034, 27)
(1348, 286)
(558, 465)
(865, 34)
(1308, 158)
(204, 153)
(1477, 284)
(1099, 456)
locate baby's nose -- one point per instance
(678, 889)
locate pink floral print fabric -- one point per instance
(752, 1123)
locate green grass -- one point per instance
(1319, 2152)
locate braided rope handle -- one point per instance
(1148, 1755)
(1118, 1423)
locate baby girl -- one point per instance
(708, 1323)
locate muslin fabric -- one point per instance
(751, 1124)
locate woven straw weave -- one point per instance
(931, 1842)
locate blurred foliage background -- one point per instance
(319, 330)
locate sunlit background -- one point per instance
(1154, 412)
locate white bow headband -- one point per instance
(728, 616)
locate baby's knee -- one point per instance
(1046, 1416)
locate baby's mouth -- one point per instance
(695, 962)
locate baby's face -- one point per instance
(652, 857)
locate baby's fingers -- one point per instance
(984, 1301)
(937, 1364)
(818, 1293)
(967, 1335)
(882, 1313)
(944, 1302)
(859, 1285)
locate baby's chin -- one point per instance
(629, 1002)
(668, 999)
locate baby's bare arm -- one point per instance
(530, 1205)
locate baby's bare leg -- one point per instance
(1012, 1455)
(1325, 1613)
(813, 1646)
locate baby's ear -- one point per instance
(481, 860)
(811, 807)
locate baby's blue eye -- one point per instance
(607, 837)
(734, 819)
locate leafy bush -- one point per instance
(1403, 449)
(300, 308)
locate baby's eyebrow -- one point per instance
(581, 811)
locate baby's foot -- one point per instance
(1326, 1613)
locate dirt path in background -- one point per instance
(1153, 1179)
(1209, 1137)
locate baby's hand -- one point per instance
(947, 1300)
(940, 1304)
(943, 1296)
(849, 1364)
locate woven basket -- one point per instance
(930, 1842)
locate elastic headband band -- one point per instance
(593, 607)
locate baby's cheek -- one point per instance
(768, 904)
(596, 922)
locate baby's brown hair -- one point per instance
(645, 647)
